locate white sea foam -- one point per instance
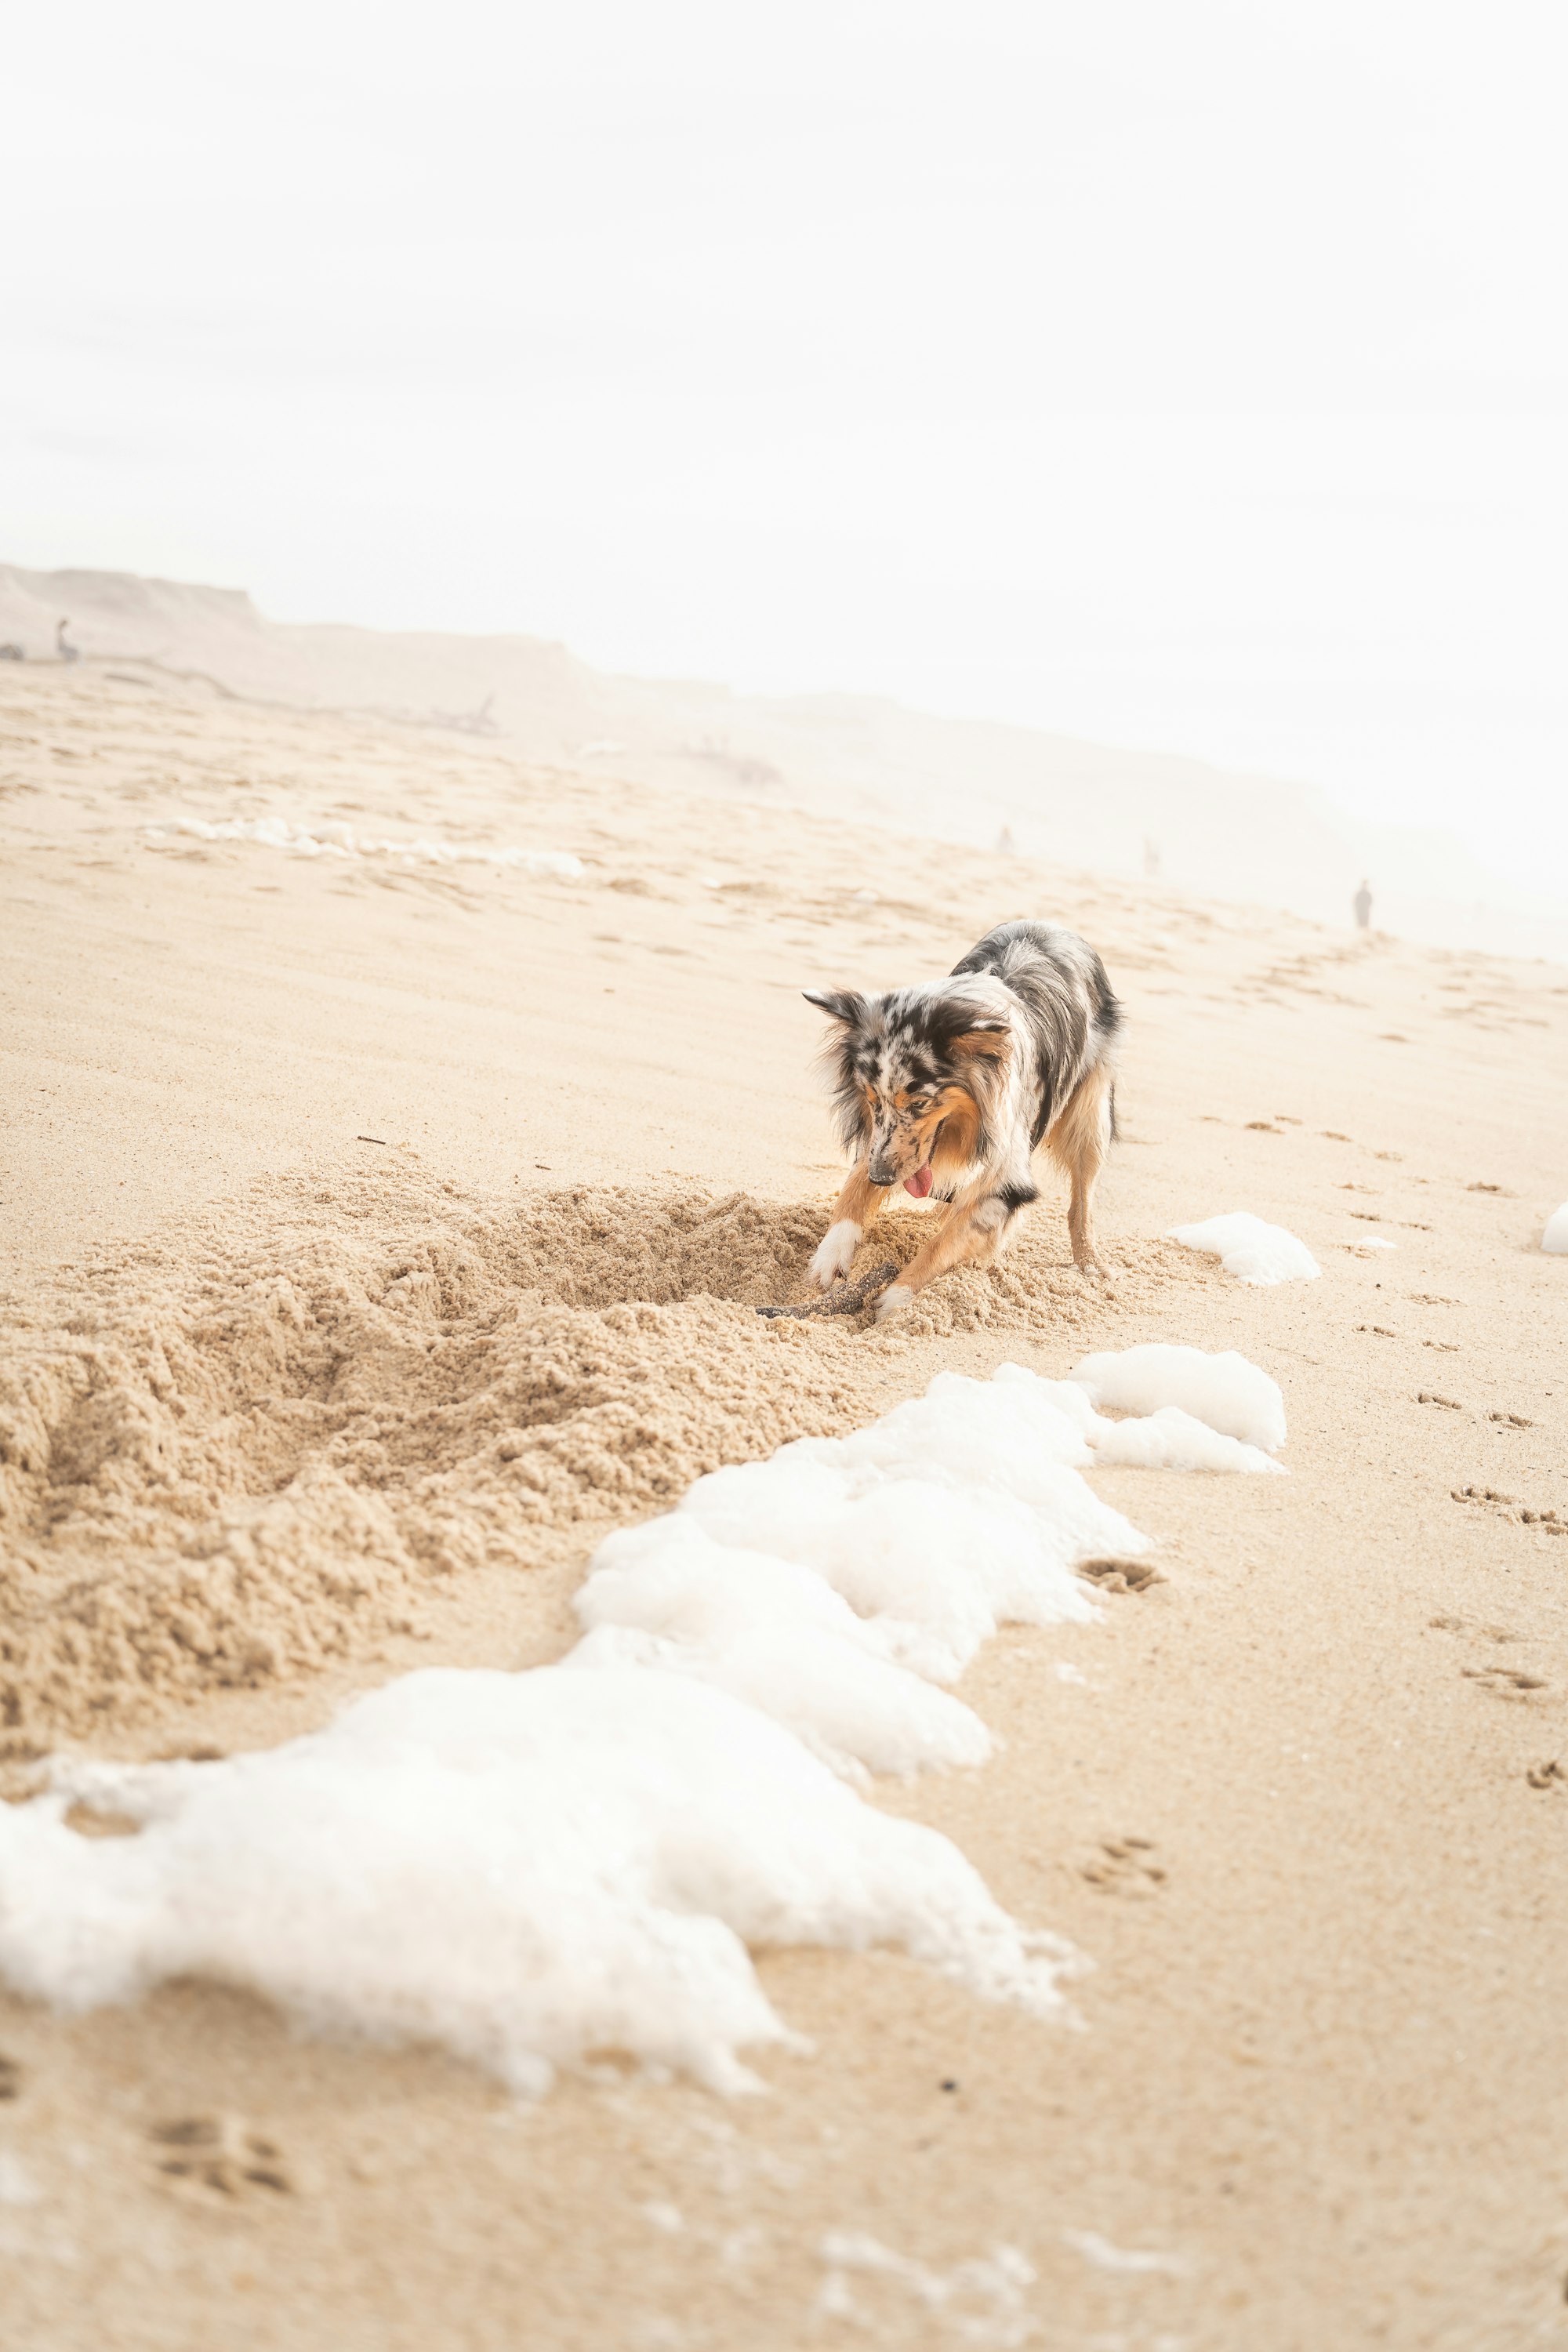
(1251, 1249)
(995, 1432)
(341, 841)
(942, 1564)
(1225, 1391)
(831, 1584)
(1555, 1237)
(942, 1567)
(775, 1635)
(1129, 2260)
(529, 1867)
(524, 1867)
(1173, 1440)
(982, 2300)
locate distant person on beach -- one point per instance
(1362, 902)
(1005, 845)
(65, 651)
(1151, 860)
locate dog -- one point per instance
(951, 1087)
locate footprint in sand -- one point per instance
(1550, 1775)
(1430, 1396)
(10, 2077)
(1120, 1575)
(220, 2158)
(1508, 1507)
(1124, 1865)
(1507, 1682)
(1471, 1625)
(99, 1821)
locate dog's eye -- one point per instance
(920, 1106)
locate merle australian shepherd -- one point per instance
(952, 1085)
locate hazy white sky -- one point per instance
(1165, 371)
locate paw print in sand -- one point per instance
(1124, 1865)
(1507, 1682)
(219, 2157)
(1120, 1575)
(1508, 1507)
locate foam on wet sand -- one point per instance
(1250, 1248)
(544, 1865)
(1225, 1391)
(1171, 1439)
(339, 840)
(577, 1857)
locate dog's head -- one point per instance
(914, 1076)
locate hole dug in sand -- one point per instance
(246, 1450)
(251, 1446)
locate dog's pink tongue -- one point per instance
(919, 1185)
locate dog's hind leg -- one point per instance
(856, 1206)
(1078, 1141)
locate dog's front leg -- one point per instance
(857, 1205)
(972, 1231)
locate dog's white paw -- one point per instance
(893, 1301)
(836, 1253)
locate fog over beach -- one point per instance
(1243, 838)
(1171, 380)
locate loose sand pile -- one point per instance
(249, 1448)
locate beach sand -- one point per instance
(379, 1232)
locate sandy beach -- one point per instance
(383, 1226)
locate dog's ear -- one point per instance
(842, 1003)
(984, 1041)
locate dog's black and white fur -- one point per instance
(952, 1085)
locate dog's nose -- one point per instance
(880, 1172)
